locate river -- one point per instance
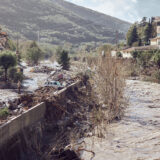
(137, 135)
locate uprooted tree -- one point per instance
(7, 60)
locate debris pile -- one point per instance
(65, 78)
(42, 69)
(47, 93)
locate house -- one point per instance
(127, 52)
(3, 40)
(156, 40)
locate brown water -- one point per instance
(137, 135)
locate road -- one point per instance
(137, 135)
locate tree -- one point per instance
(34, 53)
(132, 35)
(63, 59)
(143, 21)
(157, 58)
(7, 60)
(147, 33)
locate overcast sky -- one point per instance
(129, 10)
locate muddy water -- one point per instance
(35, 80)
(137, 135)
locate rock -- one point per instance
(15, 112)
(20, 106)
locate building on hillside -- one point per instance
(156, 40)
(3, 40)
(127, 53)
(154, 43)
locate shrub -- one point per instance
(15, 76)
(34, 54)
(11, 45)
(4, 113)
(108, 90)
(119, 55)
(157, 76)
(134, 54)
(144, 58)
(157, 58)
(18, 77)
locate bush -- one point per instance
(4, 113)
(134, 54)
(34, 54)
(11, 45)
(108, 91)
(15, 76)
(18, 77)
(144, 58)
(119, 54)
(157, 58)
(156, 76)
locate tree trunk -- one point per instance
(5, 74)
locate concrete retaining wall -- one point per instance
(16, 125)
(31, 116)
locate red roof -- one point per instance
(3, 33)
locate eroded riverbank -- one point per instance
(137, 135)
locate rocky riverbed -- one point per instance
(137, 135)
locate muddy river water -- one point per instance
(137, 135)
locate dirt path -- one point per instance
(137, 135)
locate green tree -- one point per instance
(132, 35)
(63, 59)
(147, 33)
(157, 58)
(7, 60)
(34, 53)
(11, 45)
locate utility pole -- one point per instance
(117, 36)
(17, 50)
(38, 35)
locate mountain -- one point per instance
(58, 21)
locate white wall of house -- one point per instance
(158, 41)
(126, 55)
(158, 30)
(153, 42)
(113, 53)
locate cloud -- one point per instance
(123, 9)
(129, 10)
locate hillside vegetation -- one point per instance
(58, 22)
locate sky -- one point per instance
(129, 10)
